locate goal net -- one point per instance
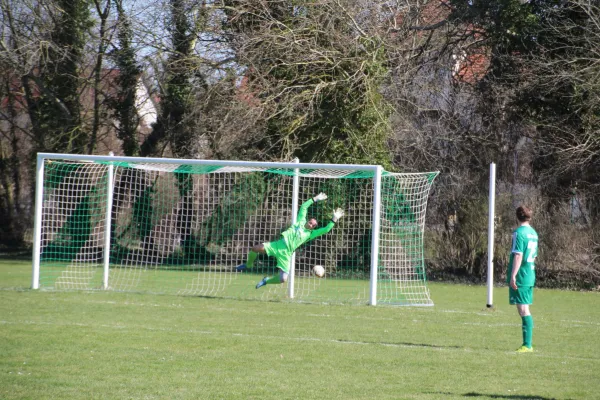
(182, 226)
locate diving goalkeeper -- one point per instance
(292, 238)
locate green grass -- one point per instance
(221, 282)
(106, 345)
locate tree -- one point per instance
(103, 14)
(182, 77)
(561, 96)
(316, 71)
(57, 111)
(129, 74)
(40, 50)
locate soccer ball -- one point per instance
(319, 270)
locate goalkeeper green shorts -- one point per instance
(524, 295)
(282, 254)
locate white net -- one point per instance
(183, 228)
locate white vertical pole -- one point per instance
(295, 202)
(108, 221)
(37, 222)
(375, 235)
(491, 213)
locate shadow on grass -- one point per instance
(402, 344)
(498, 396)
(508, 396)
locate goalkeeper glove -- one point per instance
(320, 196)
(337, 214)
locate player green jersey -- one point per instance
(525, 242)
(297, 234)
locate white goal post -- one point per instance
(163, 225)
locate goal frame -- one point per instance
(376, 170)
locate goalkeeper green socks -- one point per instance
(527, 330)
(273, 279)
(251, 257)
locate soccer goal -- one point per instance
(176, 226)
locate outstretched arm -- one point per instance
(321, 231)
(303, 210)
(337, 214)
(304, 207)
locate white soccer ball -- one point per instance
(319, 270)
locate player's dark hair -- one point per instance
(524, 214)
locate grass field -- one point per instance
(106, 345)
(215, 282)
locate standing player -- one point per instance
(521, 273)
(295, 236)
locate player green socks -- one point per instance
(527, 330)
(273, 279)
(250, 260)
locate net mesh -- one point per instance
(182, 229)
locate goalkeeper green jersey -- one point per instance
(297, 234)
(525, 242)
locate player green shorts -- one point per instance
(282, 254)
(524, 295)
